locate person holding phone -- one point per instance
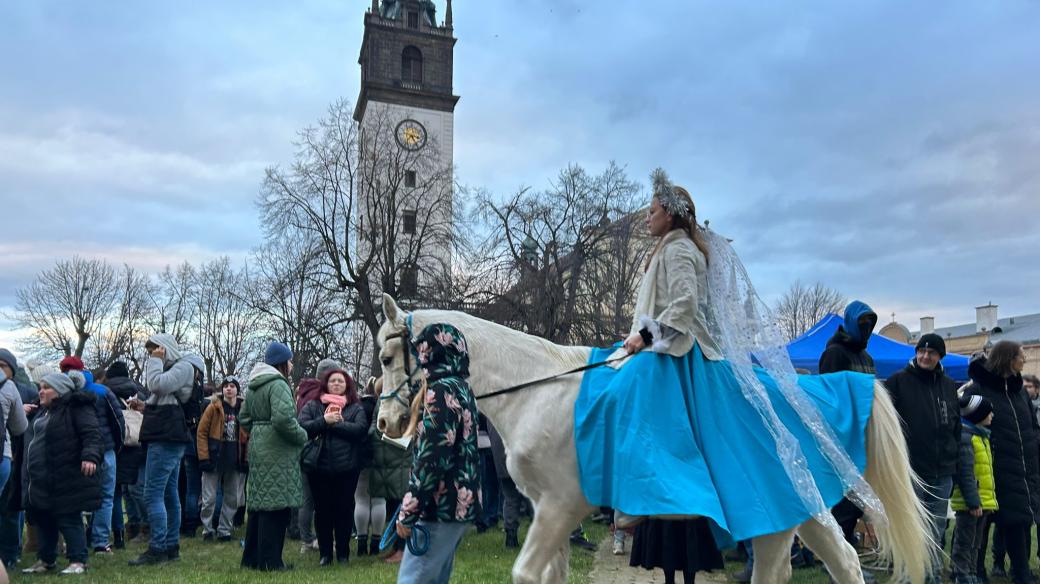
(337, 422)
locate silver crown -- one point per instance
(665, 193)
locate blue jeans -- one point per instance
(435, 566)
(162, 471)
(103, 516)
(936, 499)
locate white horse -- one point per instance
(537, 428)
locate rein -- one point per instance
(528, 384)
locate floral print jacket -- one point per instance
(444, 485)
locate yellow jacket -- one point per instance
(974, 485)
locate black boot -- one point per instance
(362, 544)
(120, 543)
(373, 547)
(174, 553)
(512, 541)
(150, 557)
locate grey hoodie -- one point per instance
(14, 420)
(169, 380)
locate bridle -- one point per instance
(406, 350)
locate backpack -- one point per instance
(194, 406)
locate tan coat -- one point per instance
(674, 293)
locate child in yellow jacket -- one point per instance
(974, 493)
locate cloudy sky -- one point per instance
(888, 149)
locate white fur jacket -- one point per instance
(674, 295)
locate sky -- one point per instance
(886, 149)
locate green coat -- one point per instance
(275, 442)
(388, 474)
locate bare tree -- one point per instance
(803, 306)
(542, 244)
(225, 322)
(123, 330)
(380, 213)
(171, 299)
(66, 305)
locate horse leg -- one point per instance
(543, 559)
(772, 557)
(837, 555)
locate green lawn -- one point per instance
(481, 559)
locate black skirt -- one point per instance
(675, 546)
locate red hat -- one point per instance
(69, 363)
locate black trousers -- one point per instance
(1016, 541)
(334, 511)
(847, 514)
(265, 538)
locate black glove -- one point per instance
(207, 466)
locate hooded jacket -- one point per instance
(927, 403)
(974, 486)
(847, 349)
(169, 383)
(275, 441)
(1013, 437)
(14, 421)
(109, 414)
(58, 440)
(444, 484)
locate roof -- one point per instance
(1023, 329)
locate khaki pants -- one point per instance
(231, 482)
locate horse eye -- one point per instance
(387, 361)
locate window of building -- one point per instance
(411, 65)
(409, 280)
(409, 178)
(413, 20)
(409, 222)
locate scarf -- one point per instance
(334, 400)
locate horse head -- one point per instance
(399, 370)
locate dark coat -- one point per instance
(844, 353)
(130, 459)
(71, 438)
(343, 442)
(125, 388)
(1016, 455)
(109, 412)
(388, 478)
(927, 403)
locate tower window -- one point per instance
(411, 65)
(408, 219)
(409, 178)
(413, 20)
(409, 280)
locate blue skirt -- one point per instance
(670, 435)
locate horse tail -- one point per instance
(906, 538)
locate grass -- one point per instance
(481, 559)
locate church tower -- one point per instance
(406, 88)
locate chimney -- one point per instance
(985, 318)
(927, 325)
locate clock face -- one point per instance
(411, 135)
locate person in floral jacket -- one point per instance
(444, 486)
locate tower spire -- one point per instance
(375, 6)
(447, 16)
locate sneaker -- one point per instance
(150, 557)
(618, 549)
(39, 568)
(74, 568)
(309, 546)
(103, 549)
(208, 536)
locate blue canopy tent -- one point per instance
(889, 356)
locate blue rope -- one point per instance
(418, 544)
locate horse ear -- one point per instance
(391, 311)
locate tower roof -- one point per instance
(392, 9)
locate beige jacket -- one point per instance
(674, 293)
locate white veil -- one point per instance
(743, 326)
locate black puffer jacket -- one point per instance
(343, 443)
(125, 388)
(1016, 455)
(927, 403)
(130, 458)
(844, 353)
(58, 440)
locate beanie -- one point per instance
(64, 383)
(975, 408)
(326, 365)
(9, 358)
(70, 363)
(117, 369)
(932, 341)
(277, 353)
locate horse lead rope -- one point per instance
(551, 378)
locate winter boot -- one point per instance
(362, 544)
(512, 541)
(151, 556)
(173, 553)
(373, 548)
(119, 541)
